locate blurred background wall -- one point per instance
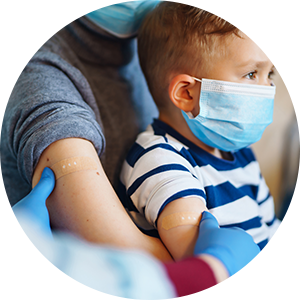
(22, 21)
(285, 15)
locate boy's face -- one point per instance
(243, 61)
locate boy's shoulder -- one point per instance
(154, 147)
(154, 136)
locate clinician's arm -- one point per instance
(85, 203)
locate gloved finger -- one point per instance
(275, 262)
(45, 186)
(237, 228)
(208, 221)
(270, 287)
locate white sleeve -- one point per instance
(159, 176)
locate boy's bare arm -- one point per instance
(85, 203)
(180, 240)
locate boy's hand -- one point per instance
(34, 204)
(232, 246)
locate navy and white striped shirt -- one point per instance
(163, 166)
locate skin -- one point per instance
(247, 65)
(85, 204)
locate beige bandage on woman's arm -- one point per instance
(73, 164)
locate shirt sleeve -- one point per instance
(190, 276)
(49, 102)
(156, 175)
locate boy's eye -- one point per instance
(251, 75)
(270, 75)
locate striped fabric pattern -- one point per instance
(163, 166)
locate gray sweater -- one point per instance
(81, 83)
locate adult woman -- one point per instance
(80, 95)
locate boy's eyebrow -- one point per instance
(256, 64)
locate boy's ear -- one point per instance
(184, 92)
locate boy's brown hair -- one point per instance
(176, 37)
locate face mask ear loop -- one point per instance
(199, 80)
(189, 114)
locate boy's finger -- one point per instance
(275, 262)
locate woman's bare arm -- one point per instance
(85, 203)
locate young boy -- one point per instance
(214, 92)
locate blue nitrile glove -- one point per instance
(234, 247)
(34, 204)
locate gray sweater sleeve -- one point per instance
(51, 101)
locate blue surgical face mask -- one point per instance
(124, 19)
(232, 115)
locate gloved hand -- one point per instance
(232, 246)
(34, 204)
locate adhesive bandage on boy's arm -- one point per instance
(83, 201)
(181, 218)
(178, 225)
